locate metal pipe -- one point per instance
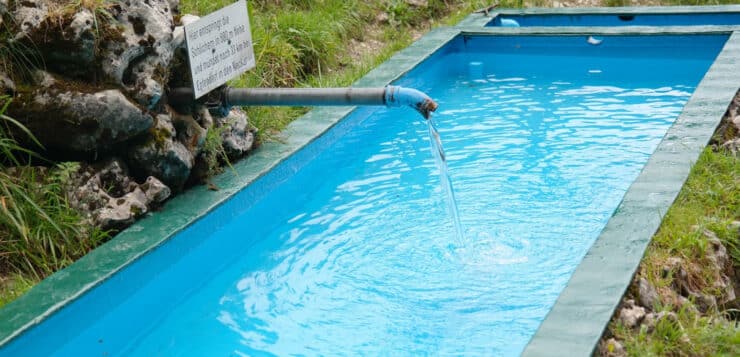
(391, 96)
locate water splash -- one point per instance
(439, 157)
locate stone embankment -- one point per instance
(90, 79)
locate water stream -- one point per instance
(444, 176)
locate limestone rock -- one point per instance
(237, 136)
(7, 86)
(122, 212)
(418, 3)
(80, 122)
(736, 122)
(29, 15)
(178, 33)
(631, 315)
(652, 319)
(155, 190)
(705, 302)
(647, 295)
(43, 79)
(674, 268)
(721, 266)
(612, 348)
(65, 37)
(110, 198)
(140, 58)
(716, 252)
(162, 156)
(189, 132)
(382, 18)
(732, 145)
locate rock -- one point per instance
(236, 135)
(732, 145)
(80, 122)
(684, 303)
(178, 34)
(631, 315)
(418, 3)
(155, 190)
(82, 31)
(716, 252)
(203, 116)
(189, 132)
(43, 79)
(721, 266)
(705, 302)
(612, 348)
(647, 295)
(382, 18)
(736, 122)
(652, 319)
(65, 37)
(139, 59)
(122, 212)
(161, 156)
(188, 19)
(29, 15)
(110, 198)
(7, 86)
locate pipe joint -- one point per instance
(396, 96)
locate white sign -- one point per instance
(219, 47)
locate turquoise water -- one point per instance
(347, 247)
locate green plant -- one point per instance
(213, 150)
(13, 286)
(39, 232)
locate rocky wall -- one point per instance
(90, 81)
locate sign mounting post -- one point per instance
(219, 47)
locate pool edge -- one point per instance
(574, 325)
(64, 286)
(480, 19)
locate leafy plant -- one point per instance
(39, 232)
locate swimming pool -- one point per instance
(350, 233)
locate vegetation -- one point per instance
(710, 199)
(309, 43)
(314, 43)
(39, 232)
(297, 43)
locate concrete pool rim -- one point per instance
(480, 19)
(563, 329)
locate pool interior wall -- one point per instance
(188, 263)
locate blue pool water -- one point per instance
(695, 19)
(346, 247)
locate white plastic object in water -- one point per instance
(509, 23)
(594, 41)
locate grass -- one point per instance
(306, 43)
(710, 199)
(297, 43)
(39, 232)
